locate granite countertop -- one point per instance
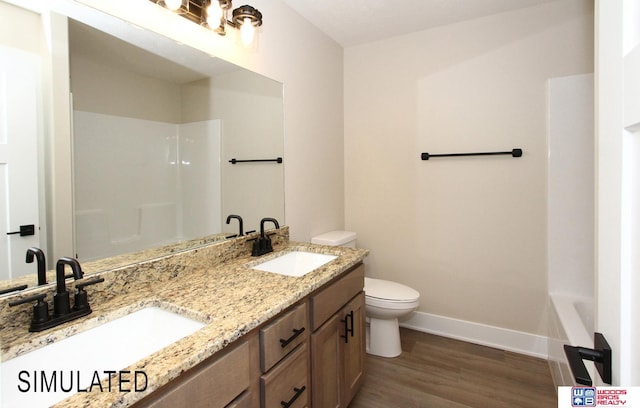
(118, 261)
(213, 284)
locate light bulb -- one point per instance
(247, 31)
(173, 4)
(214, 14)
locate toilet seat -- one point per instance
(385, 293)
(391, 305)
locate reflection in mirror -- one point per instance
(149, 140)
(154, 127)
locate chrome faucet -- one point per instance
(62, 311)
(262, 244)
(41, 261)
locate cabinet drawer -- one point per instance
(213, 383)
(328, 301)
(243, 401)
(288, 383)
(282, 336)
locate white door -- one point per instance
(19, 126)
(618, 184)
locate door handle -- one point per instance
(25, 230)
(600, 354)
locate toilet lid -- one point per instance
(387, 290)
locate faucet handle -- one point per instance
(33, 298)
(81, 302)
(40, 309)
(80, 285)
(258, 246)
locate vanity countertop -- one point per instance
(227, 294)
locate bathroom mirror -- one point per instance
(152, 144)
(155, 126)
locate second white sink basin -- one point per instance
(296, 263)
(75, 360)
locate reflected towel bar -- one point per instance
(13, 289)
(234, 161)
(514, 153)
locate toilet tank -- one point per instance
(336, 238)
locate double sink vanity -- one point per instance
(210, 326)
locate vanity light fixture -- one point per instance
(217, 15)
(176, 5)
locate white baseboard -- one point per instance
(491, 336)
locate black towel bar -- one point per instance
(277, 159)
(514, 153)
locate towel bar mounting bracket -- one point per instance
(600, 355)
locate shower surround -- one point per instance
(141, 183)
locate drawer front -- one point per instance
(243, 401)
(211, 384)
(282, 336)
(328, 301)
(287, 385)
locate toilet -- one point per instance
(385, 302)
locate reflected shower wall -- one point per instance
(571, 184)
(141, 183)
(570, 220)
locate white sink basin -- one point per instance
(112, 346)
(296, 263)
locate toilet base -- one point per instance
(383, 337)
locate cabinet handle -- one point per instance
(299, 391)
(351, 320)
(296, 332)
(347, 324)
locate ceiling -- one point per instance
(353, 22)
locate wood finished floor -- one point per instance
(437, 372)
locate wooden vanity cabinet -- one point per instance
(338, 341)
(311, 355)
(224, 380)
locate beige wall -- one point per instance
(98, 88)
(468, 233)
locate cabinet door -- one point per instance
(354, 353)
(333, 297)
(214, 383)
(326, 364)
